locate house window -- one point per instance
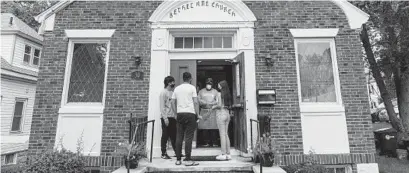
(31, 55)
(36, 57)
(338, 168)
(317, 70)
(206, 42)
(27, 54)
(87, 72)
(10, 159)
(18, 115)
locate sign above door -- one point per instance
(206, 4)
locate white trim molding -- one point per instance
(354, 15)
(314, 33)
(89, 33)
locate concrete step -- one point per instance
(236, 165)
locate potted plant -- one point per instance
(131, 152)
(265, 150)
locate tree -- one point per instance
(26, 10)
(389, 20)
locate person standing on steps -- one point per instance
(168, 117)
(224, 103)
(207, 126)
(185, 104)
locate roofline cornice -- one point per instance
(24, 35)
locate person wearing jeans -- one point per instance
(224, 102)
(185, 104)
(168, 117)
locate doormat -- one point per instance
(204, 158)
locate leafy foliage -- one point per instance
(134, 150)
(389, 34)
(26, 10)
(266, 145)
(56, 161)
(16, 168)
(309, 166)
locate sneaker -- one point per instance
(228, 156)
(165, 156)
(221, 157)
(178, 162)
(187, 159)
(191, 163)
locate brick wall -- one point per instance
(272, 37)
(131, 38)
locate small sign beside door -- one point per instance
(137, 75)
(266, 96)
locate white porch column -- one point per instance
(246, 44)
(159, 69)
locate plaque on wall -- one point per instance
(137, 75)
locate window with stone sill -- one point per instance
(205, 42)
(87, 72)
(316, 71)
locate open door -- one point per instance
(177, 68)
(239, 104)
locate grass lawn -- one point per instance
(392, 165)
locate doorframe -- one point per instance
(160, 68)
(161, 40)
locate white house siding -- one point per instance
(7, 42)
(19, 53)
(10, 90)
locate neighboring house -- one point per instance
(21, 49)
(105, 60)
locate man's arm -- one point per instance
(196, 103)
(162, 105)
(173, 103)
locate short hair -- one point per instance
(168, 80)
(186, 76)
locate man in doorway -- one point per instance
(185, 104)
(168, 117)
(208, 126)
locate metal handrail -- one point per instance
(135, 132)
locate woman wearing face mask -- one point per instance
(207, 125)
(224, 102)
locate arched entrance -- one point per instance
(174, 20)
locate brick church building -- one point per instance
(297, 62)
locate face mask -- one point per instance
(208, 87)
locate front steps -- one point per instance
(236, 165)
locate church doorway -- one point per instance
(217, 70)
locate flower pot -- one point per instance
(131, 163)
(267, 160)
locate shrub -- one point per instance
(56, 161)
(304, 168)
(16, 168)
